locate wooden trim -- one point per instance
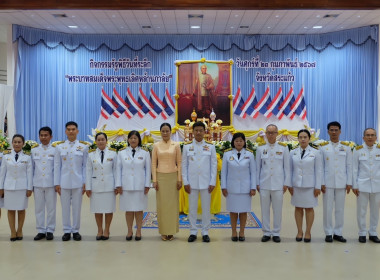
(189, 4)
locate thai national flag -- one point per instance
(168, 102)
(285, 106)
(122, 105)
(108, 108)
(299, 106)
(238, 102)
(273, 107)
(134, 106)
(158, 105)
(145, 104)
(249, 105)
(264, 102)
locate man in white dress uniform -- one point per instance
(273, 178)
(366, 184)
(336, 181)
(43, 185)
(69, 179)
(199, 169)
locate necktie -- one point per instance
(16, 157)
(102, 156)
(133, 152)
(302, 154)
(238, 155)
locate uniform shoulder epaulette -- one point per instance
(315, 147)
(188, 142)
(262, 144)
(6, 152)
(35, 146)
(112, 149)
(346, 143)
(227, 150)
(54, 144)
(324, 143)
(145, 149)
(283, 144)
(359, 147)
(91, 150)
(249, 150)
(378, 146)
(122, 149)
(209, 142)
(85, 143)
(27, 153)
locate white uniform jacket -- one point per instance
(43, 166)
(273, 166)
(199, 165)
(306, 172)
(238, 175)
(100, 177)
(1, 157)
(70, 164)
(366, 169)
(16, 175)
(133, 173)
(337, 165)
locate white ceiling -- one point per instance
(178, 22)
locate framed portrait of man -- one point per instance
(204, 86)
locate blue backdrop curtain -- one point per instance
(342, 86)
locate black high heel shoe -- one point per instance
(128, 238)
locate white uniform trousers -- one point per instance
(45, 198)
(362, 204)
(333, 199)
(268, 197)
(71, 201)
(193, 207)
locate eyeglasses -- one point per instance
(271, 132)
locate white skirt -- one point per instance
(15, 200)
(133, 201)
(103, 202)
(304, 198)
(238, 202)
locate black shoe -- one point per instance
(298, 239)
(374, 238)
(77, 236)
(66, 237)
(99, 237)
(105, 237)
(362, 239)
(340, 238)
(49, 236)
(138, 238)
(39, 236)
(206, 238)
(276, 239)
(128, 238)
(13, 239)
(307, 240)
(242, 238)
(234, 238)
(192, 238)
(265, 238)
(329, 238)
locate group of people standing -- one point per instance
(70, 169)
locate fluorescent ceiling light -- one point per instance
(195, 27)
(73, 26)
(317, 27)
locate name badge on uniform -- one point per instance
(231, 158)
(24, 161)
(191, 149)
(109, 159)
(140, 158)
(311, 155)
(246, 157)
(79, 148)
(377, 157)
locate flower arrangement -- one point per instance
(4, 144)
(29, 144)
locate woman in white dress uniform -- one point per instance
(133, 178)
(16, 176)
(306, 170)
(100, 184)
(238, 183)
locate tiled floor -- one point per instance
(152, 258)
